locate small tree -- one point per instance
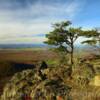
(93, 38)
(63, 38)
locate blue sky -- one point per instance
(27, 21)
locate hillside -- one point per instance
(20, 70)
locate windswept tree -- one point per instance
(93, 38)
(63, 38)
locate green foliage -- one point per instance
(89, 33)
(62, 35)
(63, 38)
(90, 42)
(93, 38)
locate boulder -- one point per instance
(29, 85)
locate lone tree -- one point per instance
(63, 38)
(93, 38)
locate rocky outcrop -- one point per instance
(30, 85)
(89, 57)
(95, 81)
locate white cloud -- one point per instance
(11, 30)
(34, 19)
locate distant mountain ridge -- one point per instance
(41, 45)
(14, 46)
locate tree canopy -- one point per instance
(93, 38)
(63, 38)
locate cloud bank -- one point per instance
(23, 20)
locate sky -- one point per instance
(27, 21)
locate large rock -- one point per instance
(96, 81)
(30, 85)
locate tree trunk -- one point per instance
(72, 54)
(72, 57)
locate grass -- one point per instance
(52, 63)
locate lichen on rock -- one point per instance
(35, 85)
